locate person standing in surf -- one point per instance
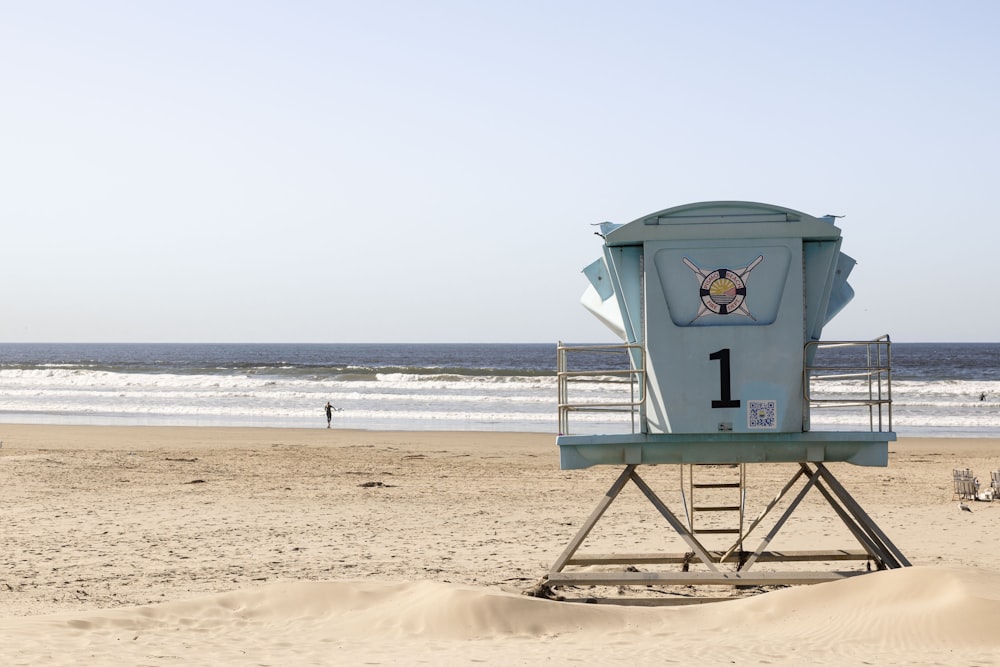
(329, 413)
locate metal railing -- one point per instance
(868, 364)
(865, 366)
(633, 376)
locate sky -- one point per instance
(398, 171)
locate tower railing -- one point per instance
(632, 376)
(861, 372)
(858, 374)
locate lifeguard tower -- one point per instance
(720, 307)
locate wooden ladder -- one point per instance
(716, 499)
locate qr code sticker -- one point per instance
(762, 414)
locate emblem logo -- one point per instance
(723, 291)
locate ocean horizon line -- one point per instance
(438, 343)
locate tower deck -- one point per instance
(862, 448)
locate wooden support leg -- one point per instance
(892, 556)
(780, 522)
(764, 513)
(874, 550)
(592, 520)
(627, 474)
(675, 523)
(869, 535)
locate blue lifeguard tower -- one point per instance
(720, 307)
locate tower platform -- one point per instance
(863, 448)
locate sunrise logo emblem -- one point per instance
(723, 291)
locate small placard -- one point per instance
(762, 414)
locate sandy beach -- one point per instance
(156, 546)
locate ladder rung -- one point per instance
(716, 498)
(717, 531)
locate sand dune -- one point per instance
(284, 555)
(913, 616)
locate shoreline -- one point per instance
(125, 436)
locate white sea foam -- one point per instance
(415, 400)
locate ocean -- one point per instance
(936, 387)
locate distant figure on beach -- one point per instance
(982, 396)
(329, 413)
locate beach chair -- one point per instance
(965, 484)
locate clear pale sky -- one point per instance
(429, 171)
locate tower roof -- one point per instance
(735, 219)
